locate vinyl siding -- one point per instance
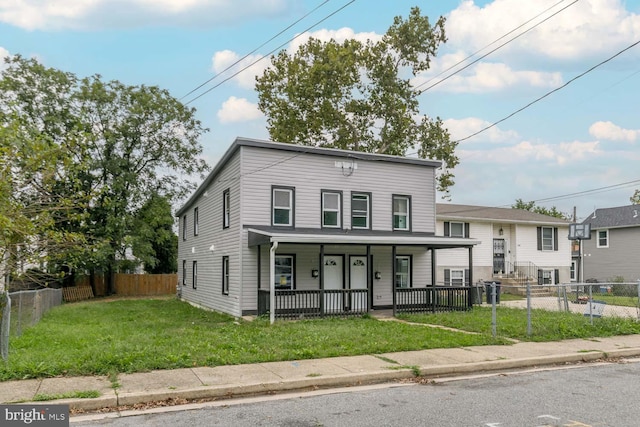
(225, 241)
(310, 174)
(620, 259)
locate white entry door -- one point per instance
(358, 280)
(333, 279)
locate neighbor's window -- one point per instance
(226, 209)
(284, 273)
(184, 227)
(282, 203)
(225, 275)
(457, 278)
(547, 238)
(194, 278)
(401, 210)
(547, 277)
(184, 272)
(456, 230)
(331, 209)
(195, 222)
(573, 271)
(603, 239)
(360, 211)
(403, 271)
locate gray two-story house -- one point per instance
(613, 252)
(309, 231)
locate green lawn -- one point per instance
(102, 337)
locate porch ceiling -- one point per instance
(260, 236)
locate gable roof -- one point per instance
(297, 149)
(487, 213)
(621, 216)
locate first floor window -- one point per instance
(457, 278)
(225, 275)
(603, 239)
(572, 271)
(401, 213)
(547, 276)
(194, 278)
(403, 272)
(284, 272)
(184, 272)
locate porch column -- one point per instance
(470, 274)
(393, 278)
(369, 279)
(321, 277)
(272, 284)
(434, 269)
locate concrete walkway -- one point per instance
(238, 380)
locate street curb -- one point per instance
(351, 379)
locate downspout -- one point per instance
(272, 284)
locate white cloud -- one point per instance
(246, 78)
(464, 127)
(3, 54)
(588, 27)
(611, 132)
(235, 110)
(91, 14)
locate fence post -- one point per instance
(528, 308)
(493, 309)
(638, 298)
(5, 324)
(591, 304)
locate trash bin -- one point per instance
(476, 293)
(488, 291)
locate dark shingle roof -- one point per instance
(622, 216)
(486, 213)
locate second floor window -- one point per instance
(360, 211)
(226, 209)
(331, 209)
(456, 229)
(603, 239)
(195, 222)
(401, 212)
(184, 227)
(282, 206)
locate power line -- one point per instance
(268, 54)
(256, 49)
(550, 92)
(483, 48)
(493, 50)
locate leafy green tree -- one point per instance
(531, 207)
(122, 144)
(358, 96)
(154, 241)
(635, 199)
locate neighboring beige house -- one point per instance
(513, 242)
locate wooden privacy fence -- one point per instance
(145, 284)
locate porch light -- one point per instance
(501, 231)
(314, 273)
(377, 275)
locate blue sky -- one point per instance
(580, 138)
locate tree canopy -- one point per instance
(358, 95)
(531, 207)
(81, 157)
(635, 199)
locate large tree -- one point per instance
(531, 207)
(358, 95)
(126, 143)
(635, 199)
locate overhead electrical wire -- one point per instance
(272, 51)
(256, 49)
(493, 50)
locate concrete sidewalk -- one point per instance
(238, 380)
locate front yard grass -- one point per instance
(109, 337)
(545, 325)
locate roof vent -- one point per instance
(635, 213)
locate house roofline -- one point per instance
(300, 149)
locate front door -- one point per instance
(498, 256)
(358, 280)
(333, 273)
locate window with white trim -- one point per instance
(195, 222)
(184, 227)
(401, 212)
(457, 278)
(360, 217)
(456, 229)
(547, 238)
(194, 278)
(331, 209)
(284, 272)
(225, 275)
(573, 270)
(603, 239)
(403, 271)
(282, 206)
(547, 277)
(184, 272)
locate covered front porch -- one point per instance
(317, 273)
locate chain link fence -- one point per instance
(591, 300)
(23, 309)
